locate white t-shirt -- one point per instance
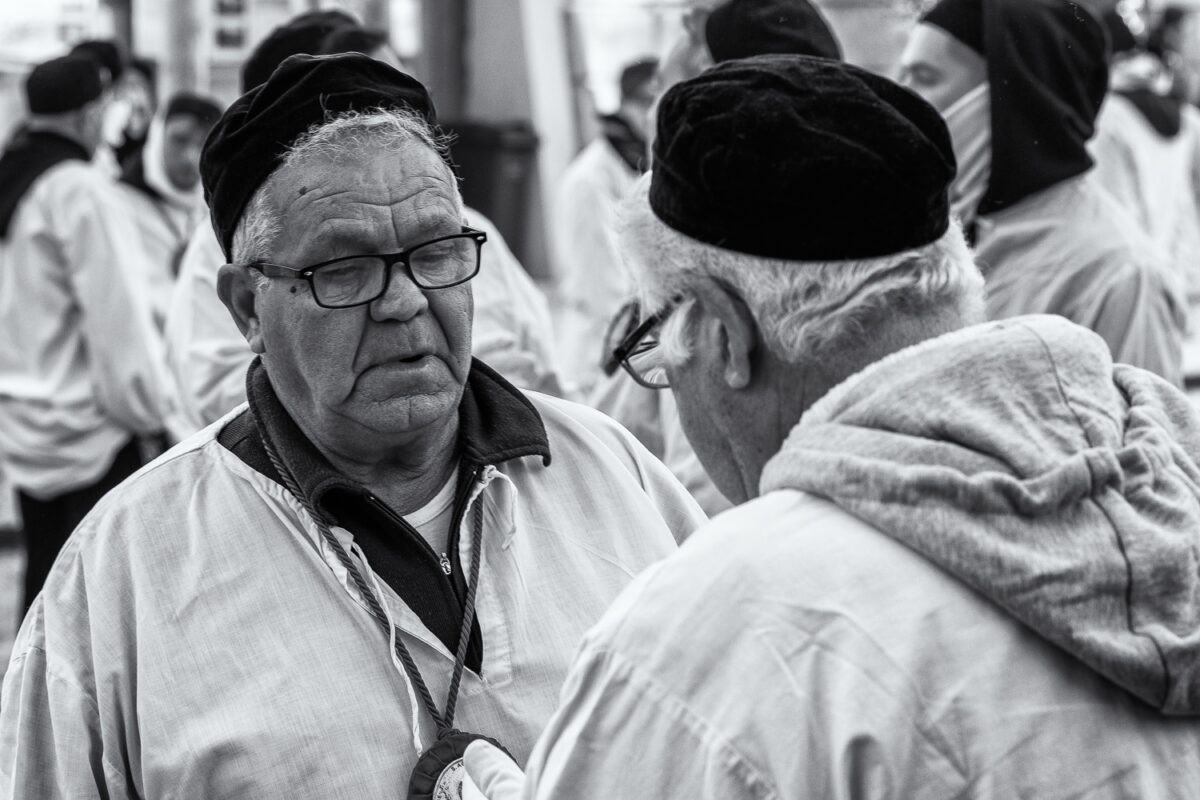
(433, 519)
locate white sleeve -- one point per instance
(125, 355)
(511, 331)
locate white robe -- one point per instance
(81, 368)
(1157, 179)
(593, 280)
(1072, 250)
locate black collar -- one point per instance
(30, 154)
(497, 423)
(134, 174)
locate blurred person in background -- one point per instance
(729, 30)
(1020, 83)
(389, 552)
(81, 368)
(131, 103)
(963, 563)
(592, 281)
(371, 42)
(161, 186)
(208, 356)
(1147, 152)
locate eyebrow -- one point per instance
(353, 239)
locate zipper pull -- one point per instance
(445, 562)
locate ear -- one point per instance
(235, 287)
(730, 329)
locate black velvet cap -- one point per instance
(301, 34)
(741, 28)
(63, 84)
(962, 19)
(801, 158)
(250, 139)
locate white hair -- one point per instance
(341, 137)
(806, 310)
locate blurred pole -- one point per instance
(122, 15)
(442, 65)
(183, 60)
(376, 14)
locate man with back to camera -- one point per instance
(729, 30)
(964, 560)
(390, 545)
(161, 189)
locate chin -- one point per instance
(406, 414)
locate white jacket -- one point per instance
(593, 280)
(198, 638)
(1156, 178)
(81, 366)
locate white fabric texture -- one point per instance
(1157, 179)
(197, 638)
(1072, 250)
(969, 121)
(790, 650)
(81, 368)
(208, 356)
(593, 281)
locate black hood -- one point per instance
(1047, 63)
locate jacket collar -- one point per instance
(497, 423)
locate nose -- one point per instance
(401, 300)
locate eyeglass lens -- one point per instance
(360, 279)
(646, 363)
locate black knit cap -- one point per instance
(962, 19)
(254, 133)
(63, 84)
(741, 28)
(301, 34)
(801, 158)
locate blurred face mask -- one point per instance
(116, 116)
(969, 120)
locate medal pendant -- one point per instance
(439, 772)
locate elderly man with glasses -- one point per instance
(964, 563)
(389, 553)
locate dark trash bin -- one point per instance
(495, 162)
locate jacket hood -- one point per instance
(1015, 456)
(1047, 63)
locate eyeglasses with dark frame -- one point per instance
(633, 345)
(351, 281)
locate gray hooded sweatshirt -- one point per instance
(1021, 461)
